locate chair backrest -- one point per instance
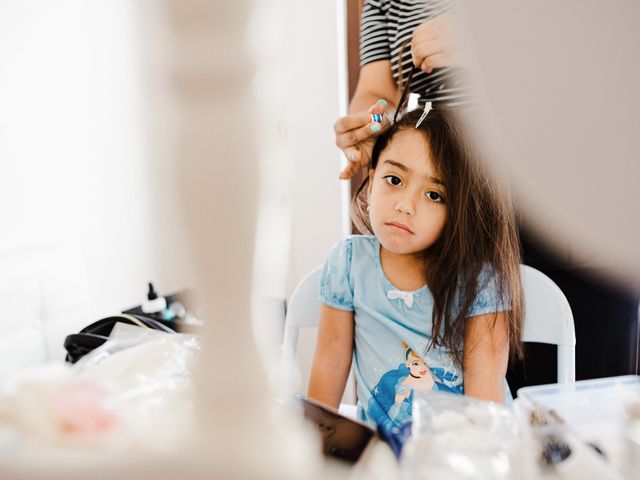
(303, 312)
(548, 319)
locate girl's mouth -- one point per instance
(400, 226)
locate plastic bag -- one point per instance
(149, 376)
(456, 436)
(132, 395)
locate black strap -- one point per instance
(94, 335)
(404, 98)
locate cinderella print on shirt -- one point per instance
(390, 401)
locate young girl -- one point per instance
(432, 300)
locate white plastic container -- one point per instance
(596, 411)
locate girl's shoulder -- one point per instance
(343, 270)
(366, 242)
(487, 278)
(354, 249)
(360, 239)
(491, 294)
(363, 245)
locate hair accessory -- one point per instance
(427, 109)
(376, 117)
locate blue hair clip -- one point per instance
(376, 117)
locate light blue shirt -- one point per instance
(392, 331)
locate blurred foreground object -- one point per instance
(216, 155)
(456, 436)
(202, 69)
(561, 113)
(129, 398)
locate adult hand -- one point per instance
(433, 44)
(355, 136)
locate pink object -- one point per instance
(80, 407)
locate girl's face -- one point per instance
(406, 196)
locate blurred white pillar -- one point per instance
(218, 163)
(239, 429)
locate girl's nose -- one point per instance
(405, 207)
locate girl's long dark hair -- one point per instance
(480, 231)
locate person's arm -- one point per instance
(486, 356)
(332, 359)
(375, 82)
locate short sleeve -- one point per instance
(489, 298)
(335, 288)
(374, 40)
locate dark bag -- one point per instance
(92, 336)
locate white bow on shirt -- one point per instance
(407, 297)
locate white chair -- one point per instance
(548, 319)
(303, 314)
(302, 311)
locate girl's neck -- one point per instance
(404, 271)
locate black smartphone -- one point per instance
(342, 437)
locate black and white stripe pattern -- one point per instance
(386, 25)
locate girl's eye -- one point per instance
(434, 196)
(393, 180)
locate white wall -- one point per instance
(295, 94)
(74, 166)
(86, 142)
(311, 107)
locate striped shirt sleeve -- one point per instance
(374, 40)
